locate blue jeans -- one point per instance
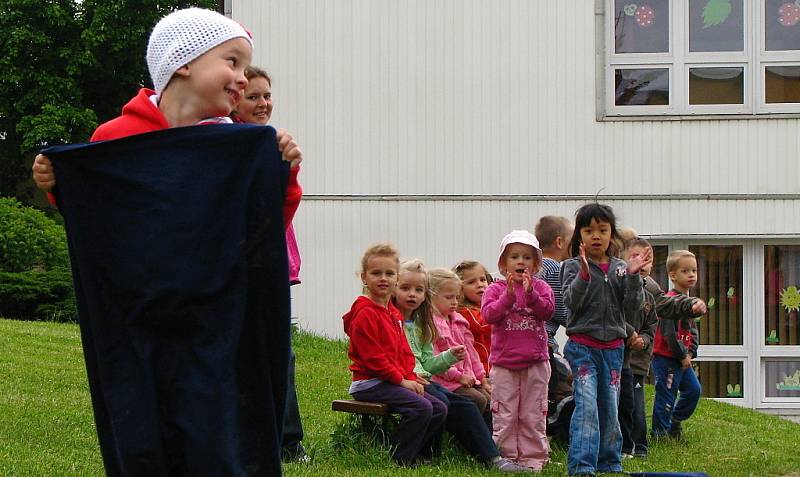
(465, 422)
(595, 440)
(671, 378)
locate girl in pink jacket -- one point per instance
(517, 309)
(467, 377)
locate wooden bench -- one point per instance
(374, 416)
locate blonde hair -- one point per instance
(424, 313)
(675, 256)
(549, 228)
(380, 249)
(624, 235)
(439, 277)
(462, 268)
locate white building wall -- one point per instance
(486, 99)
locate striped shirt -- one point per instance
(550, 273)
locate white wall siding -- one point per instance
(469, 97)
(333, 234)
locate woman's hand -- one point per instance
(289, 149)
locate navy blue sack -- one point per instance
(179, 263)
(668, 474)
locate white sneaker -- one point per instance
(506, 465)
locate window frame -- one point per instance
(754, 58)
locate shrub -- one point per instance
(35, 278)
(29, 239)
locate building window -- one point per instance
(721, 379)
(782, 378)
(782, 295)
(719, 283)
(701, 57)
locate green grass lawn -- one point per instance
(46, 425)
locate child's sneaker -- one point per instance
(676, 430)
(625, 455)
(506, 465)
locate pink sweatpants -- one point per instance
(519, 413)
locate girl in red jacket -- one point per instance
(474, 281)
(383, 364)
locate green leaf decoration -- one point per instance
(773, 337)
(790, 299)
(734, 390)
(731, 292)
(716, 12)
(711, 303)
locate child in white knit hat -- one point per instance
(196, 59)
(517, 309)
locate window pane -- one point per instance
(716, 86)
(782, 84)
(641, 28)
(716, 25)
(641, 87)
(782, 378)
(721, 379)
(719, 283)
(659, 273)
(782, 31)
(781, 295)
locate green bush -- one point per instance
(35, 278)
(38, 295)
(29, 239)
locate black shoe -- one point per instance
(676, 430)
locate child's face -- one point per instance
(518, 258)
(684, 276)
(646, 270)
(474, 284)
(380, 277)
(255, 106)
(596, 237)
(445, 301)
(410, 292)
(216, 78)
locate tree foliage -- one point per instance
(65, 66)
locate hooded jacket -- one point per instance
(140, 115)
(453, 330)
(378, 346)
(597, 307)
(519, 337)
(679, 338)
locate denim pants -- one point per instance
(465, 423)
(670, 379)
(422, 419)
(625, 410)
(595, 439)
(639, 432)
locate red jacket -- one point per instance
(140, 116)
(481, 331)
(378, 345)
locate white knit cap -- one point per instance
(184, 35)
(517, 236)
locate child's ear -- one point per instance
(183, 71)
